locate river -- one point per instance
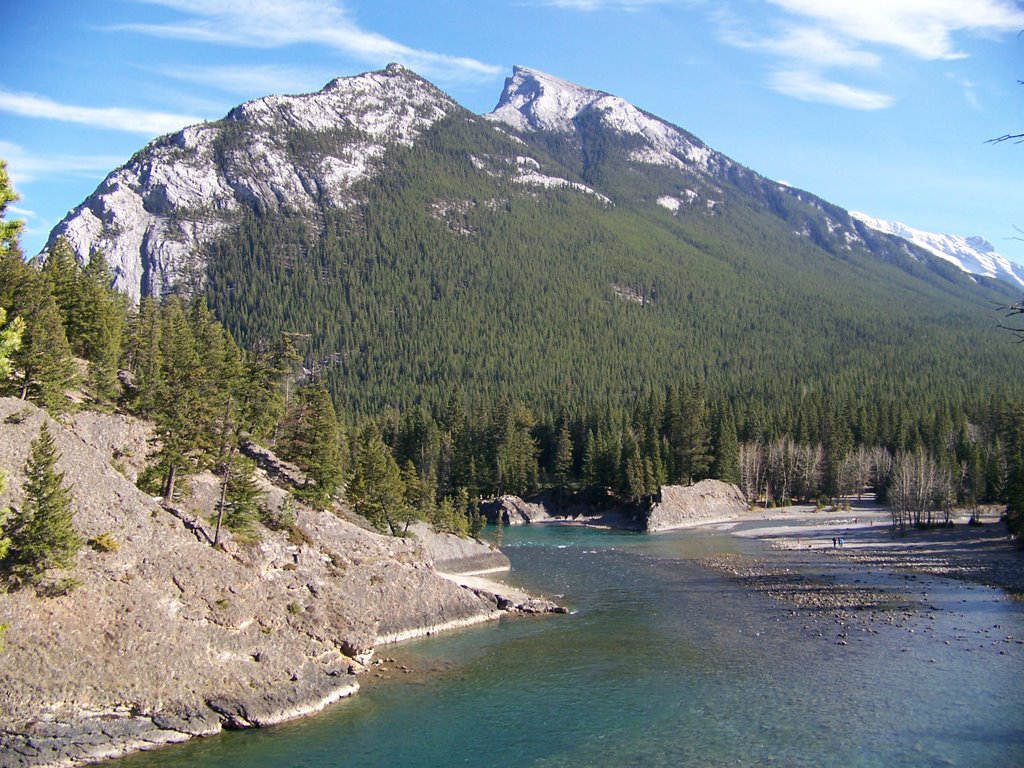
(663, 662)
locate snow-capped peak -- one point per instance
(973, 255)
(535, 101)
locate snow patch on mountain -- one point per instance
(973, 255)
(528, 171)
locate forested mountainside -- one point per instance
(570, 248)
(567, 265)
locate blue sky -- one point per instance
(883, 106)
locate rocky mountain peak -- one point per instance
(153, 215)
(533, 100)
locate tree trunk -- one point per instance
(169, 484)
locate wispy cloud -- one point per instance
(922, 28)
(807, 44)
(24, 167)
(271, 24)
(969, 89)
(111, 118)
(812, 37)
(809, 86)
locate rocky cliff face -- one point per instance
(167, 638)
(676, 506)
(153, 217)
(684, 506)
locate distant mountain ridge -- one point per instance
(155, 215)
(973, 255)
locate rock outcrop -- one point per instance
(595, 510)
(165, 637)
(455, 555)
(675, 506)
(684, 506)
(512, 510)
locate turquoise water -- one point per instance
(665, 663)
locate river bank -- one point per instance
(158, 637)
(848, 573)
(983, 553)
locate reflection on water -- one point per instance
(664, 663)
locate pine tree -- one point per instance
(41, 534)
(634, 481)
(240, 495)
(10, 342)
(313, 440)
(267, 368)
(419, 495)
(178, 408)
(142, 355)
(9, 230)
(61, 273)
(563, 461)
(516, 458)
(44, 359)
(725, 447)
(101, 327)
(375, 489)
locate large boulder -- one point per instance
(685, 506)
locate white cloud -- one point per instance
(811, 37)
(111, 118)
(923, 28)
(271, 24)
(809, 86)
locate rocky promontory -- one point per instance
(157, 636)
(674, 506)
(684, 506)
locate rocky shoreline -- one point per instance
(164, 638)
(674, 507)
(877, 577)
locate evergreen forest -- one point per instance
(455, 335)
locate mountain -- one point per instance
(153, 215)
(566, 248)
(973, 255)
